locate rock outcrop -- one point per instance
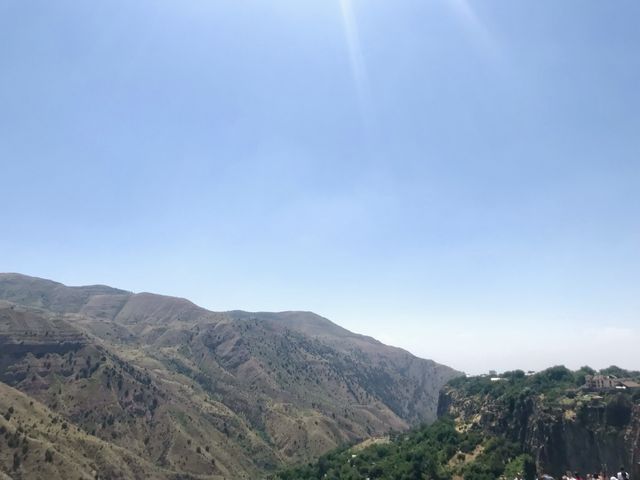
(566, 429)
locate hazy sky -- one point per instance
(458, 178)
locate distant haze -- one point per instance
(457, 178)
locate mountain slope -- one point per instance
(122, 397)
(36, 443)
(264, 389)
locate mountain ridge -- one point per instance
(290, 385)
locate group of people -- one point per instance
(621, 475)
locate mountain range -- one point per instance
(98, 382)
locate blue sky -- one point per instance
(458, 178)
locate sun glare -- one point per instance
(356, 58)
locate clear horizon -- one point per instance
(460, 179)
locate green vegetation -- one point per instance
(442, 451)
(554, 383)
(435, 452)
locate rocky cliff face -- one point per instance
(570, 429)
